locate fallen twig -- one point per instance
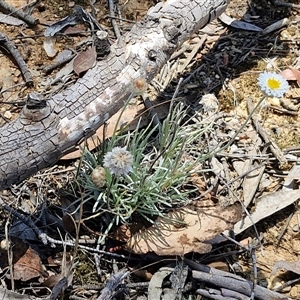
(284, 4)
(113, 18)
(48, 240)
(230, 281)
(5, 7)
(48, 69)
(265, 136)
(115, 280)
(11, 48)
(221, 295)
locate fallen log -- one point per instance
(44, 133)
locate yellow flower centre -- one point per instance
(273, 84)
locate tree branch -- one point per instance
(39, 137)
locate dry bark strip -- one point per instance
(39, 137)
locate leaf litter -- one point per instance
(244, 171)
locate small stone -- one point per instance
(17, 73)
(30, 41)
(8, 114)
(4, 245)
(294, 292)
(30, 32)
(274, 101)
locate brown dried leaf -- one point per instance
(145, 275)
(74, 31)
(267, 205)
(296, 74)
(293, 266)
(200, 224)
(9, 295)
(19, 248)
(155, 290)
(291, 74)
(85, 60)
(28, 266)
(288, 74)
(52, 280)
(49, 46)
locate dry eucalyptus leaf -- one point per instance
(266, 206)
(49, 46)
(155, 289)
(10, 20)
(252, 179)
(291, 74)
(52, 280)
(275, 26)
(198, 225)
(286, 265)
(291, 179)
(288, 74)
(296, 74)
(9, 295)
(275, 279)
(28, 266)
(238, 24)
(85, 60)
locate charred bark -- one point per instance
(39, 137)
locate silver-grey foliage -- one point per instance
(39, 137)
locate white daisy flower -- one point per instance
(273, 84)
(119, 161)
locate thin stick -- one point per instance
(280, 3)
(113, 18)
(11, 48)
(5, 7)
(263, 133)
(227, 280)
(47, 239)
(9, 255)
(48, 69)
(284, 229)
(253, 256)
